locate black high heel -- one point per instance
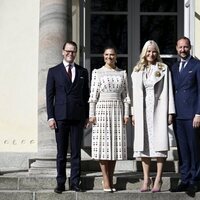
(146, 185)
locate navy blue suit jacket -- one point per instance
(187, 89)
(66, 100)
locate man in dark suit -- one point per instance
(186, 81)
(67, 94)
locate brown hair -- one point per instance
(70, 42)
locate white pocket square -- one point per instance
(190, 72)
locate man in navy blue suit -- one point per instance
(67, 94)
(186, 82)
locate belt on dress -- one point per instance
(110, 96)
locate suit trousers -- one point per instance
(188, 142)
(73, 131)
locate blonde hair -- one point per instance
(142, 63)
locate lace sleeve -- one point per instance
(94, 93)
(125, 96)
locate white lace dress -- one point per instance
(109, 103)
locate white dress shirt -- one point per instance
(66, 64)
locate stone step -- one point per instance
(89, 181)
(40, 165)
(93, 195)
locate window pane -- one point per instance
(162, 29)
(108, 30)
(97, 63)
(158, 6)
(109, 5)
(169, 61)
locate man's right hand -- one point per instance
(52, 124)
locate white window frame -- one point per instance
(189, 21)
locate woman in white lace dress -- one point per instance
(109, 113)
(153, 106)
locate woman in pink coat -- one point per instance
(152, 110)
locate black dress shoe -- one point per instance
(59, 190)
(182, 187)
(76, 188)
(192, 188)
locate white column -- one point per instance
(55, 28)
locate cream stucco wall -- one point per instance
(197, 29)
(19, 22)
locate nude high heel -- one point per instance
(157, 188)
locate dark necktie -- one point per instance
(69, 71)
(182, 66)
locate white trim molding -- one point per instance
(189, 20)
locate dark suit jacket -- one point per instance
(66, 100)
(187, 89)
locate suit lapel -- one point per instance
(138, 76)
(65, 78)
(176, 74)
(158, 73)
(184, 74)
(70, 85)
(63, 72)
(77, 75)
(157, 78)
(176, 70)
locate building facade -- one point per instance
(32, 35)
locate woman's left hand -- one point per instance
(92, 120)
(126, 119)
(170, 119)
